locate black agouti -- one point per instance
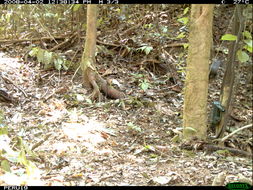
(214, 68)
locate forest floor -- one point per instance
(133, 141)
(115, 142)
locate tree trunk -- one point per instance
(90, 75)
(196, 84)
(228, 80)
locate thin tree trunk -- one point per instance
(196, 84)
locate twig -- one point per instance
(40, 142)
(5, 78)
(63, 43)
(237, 130)
(75, 73)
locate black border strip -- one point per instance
(126, 2)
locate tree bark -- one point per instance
(196, 84)
(90, 75)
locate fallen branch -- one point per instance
(33, 39)
(212, 148)
(174, 45)
(49, 38)
(234, 132)
(132, 28)
(63, 43)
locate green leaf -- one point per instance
(153, 155)
(229, 37)
(40, 55)
(137, 75)
(242, 56)
(76, 7)
(149, 147)
(248, 45)
(248, 42)
(64, 65)
(134, 127)
(247, 34)
(58, 64)
(25, 147)
(186, 45)
(30, 168)
(165, 29)
(148, 26)
(48, 57)
(175, 139)
(190, 129)
(117, 10)
(181, 35)
(186, 10)
(3, 130)
(183, 20)
(22, 158)
(144, 85)
(148, 49)
(5, 165)
(33, 52)
(249, 49)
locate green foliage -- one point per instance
(148, 26)
(248, 45)
(247, 34)
(144, 85)
(76, 7)
(137, 75)
(242, 56)
(10, 157)
(247, 41)
(229, 37)
(147, 49)
(183, 20)
(149, 147)
(186, 45)
(181, 35)
(5, 166)
(3, 130)
(176, 139)
(50, 59)
(224, 153)
(186, 10)
(133, 127)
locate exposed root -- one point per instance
(100, 85)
